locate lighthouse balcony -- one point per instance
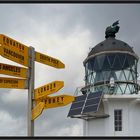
(115, 87)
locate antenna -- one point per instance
(89, 49)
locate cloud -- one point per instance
(71, 50)
(54, 122)
(66, 32)
(11, 126)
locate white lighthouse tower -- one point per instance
(109, 103)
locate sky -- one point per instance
(66, 32)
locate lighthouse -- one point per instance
(109, 102)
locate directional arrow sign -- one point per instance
(45, 59)
(57, 101)
(50, 88)
(37, 110)
(13, 50)
(13, 83)
(13, 70)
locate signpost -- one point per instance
(13, 70)
(37, 110)
(13, 83)
(50, 88)
(45, 59)
(13, 50)
(20, 53)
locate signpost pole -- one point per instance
(31, 91)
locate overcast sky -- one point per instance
(66, 32)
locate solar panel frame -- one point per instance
(85, 103)
(77, 105)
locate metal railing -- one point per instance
(107, 88)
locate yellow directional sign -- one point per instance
(13, 70)
(45, 59)
(50, 88)
(56, 101)
(13, 83)
(13, 50)
(37, 110)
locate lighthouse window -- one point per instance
(118, 120)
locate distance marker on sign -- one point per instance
(13, 83)
(48, 60)
(14, 50)
(56, 101)
(47, 89)
(13, 70)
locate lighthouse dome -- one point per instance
(111, 45)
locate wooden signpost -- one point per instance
(38, 98)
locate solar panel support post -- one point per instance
(31, 91)
(84, 127)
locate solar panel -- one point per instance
(92, 102)
(92, 108)
(94, 94)
(77, 105)
(85, 103)
(80, 98)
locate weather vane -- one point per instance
(112, 30)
